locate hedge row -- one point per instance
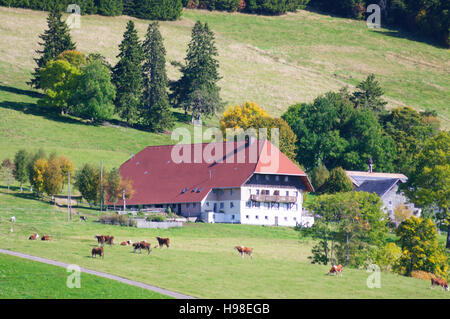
(144, 9)
(267, 7)
(161, 9)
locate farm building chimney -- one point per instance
(370, 162)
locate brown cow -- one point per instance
(102, 239)
(45, 237)
(244, 250)
(33, 237)
(142, 245)
(336, 270)
(97, 251)
(439, 282)
(163, 241)
(126, 243)
(109, 240)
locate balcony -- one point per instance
(273, 198)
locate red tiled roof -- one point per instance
(159, 178)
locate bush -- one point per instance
(156, 218)
(116, 219)
(387, 257)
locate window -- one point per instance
(276, 205)
(231, 205)
(247, 217)
(194, 205)
(257, 192)
(207, 204)
(286, 178)
(187, 205)
(267, 177)
(287, 193)
(257, 217)
(267, 205)
(257, 177)
(266, 217)
(286, 206)
(231, 192)
(222, 205)
(232, 217)
(295, 218)
(285, 218)
(277, 178)
(249, 204)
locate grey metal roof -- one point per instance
(378, 186)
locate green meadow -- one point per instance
(200, 262)
(25, 279)
(274, 61)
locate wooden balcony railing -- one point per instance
(274, 198)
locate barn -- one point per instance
(247, 182)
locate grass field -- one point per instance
(276, 62)
(25, 279)
(201, 261)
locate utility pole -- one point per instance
(9, 177)
(123, 198)
(101, 186)
(69, 206)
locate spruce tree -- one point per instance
(155, 109)
(127, 75)
(197, 89)
(56, 39)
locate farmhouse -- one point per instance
(385, 185)
(225, 182)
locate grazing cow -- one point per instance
(33, 237)
(13, 219)
(83, 218)
(45, 237)
(336, 270)
(163, 241)
(439, 282)
(100, 239)
(126, 243)
(244, 250)
(98, 251)
(142, 245)
(109, 240)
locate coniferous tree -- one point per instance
(369, 95)
(56, 39)
(155, 100)
(127, 75)
(197, 89)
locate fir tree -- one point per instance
(127, 75)
(56, 39)
(197, 89)
(369, 95)
(155, 101)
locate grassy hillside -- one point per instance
(201, 260)
(25, 279)
(275, 61)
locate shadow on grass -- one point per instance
(14, 90)
(392, 31)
